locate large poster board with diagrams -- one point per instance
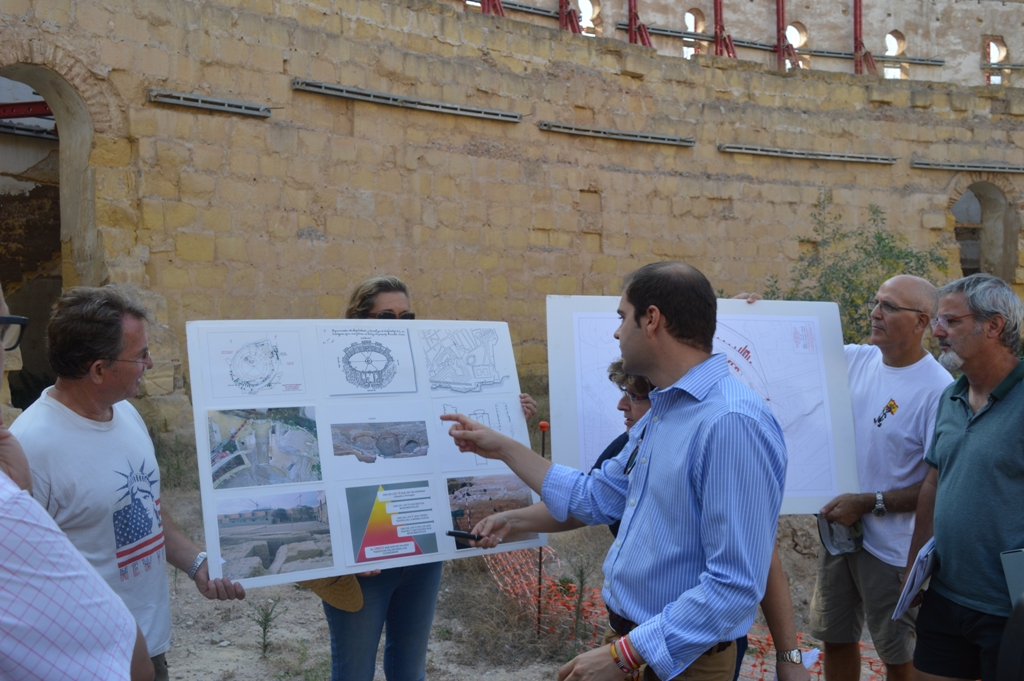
(321, 450)
(789, 352)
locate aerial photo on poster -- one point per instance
(253, 447)
(270, 534)
(473, 498)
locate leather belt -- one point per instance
(621, 626)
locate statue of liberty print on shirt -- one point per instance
(138, 530)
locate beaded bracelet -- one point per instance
(628, 654)
(631, 674)
(615, 656)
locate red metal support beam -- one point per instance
(723, 41)
(719, 30)
(730, 49)
(568, 20)
(858, 37)
(25, 110)
(861, 57)
(492, 7)
(781, 42)
(637, 31)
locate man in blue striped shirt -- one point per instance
(698, 490)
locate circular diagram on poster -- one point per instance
(255, 366)
(369, 365)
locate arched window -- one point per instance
(994, 53)
(694, 21)
(895, 45)
(796, 35)
(587, 12)
(986, 231)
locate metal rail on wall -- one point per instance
(404, 102)
(805, 154)
(530, 9)
(197, 101)
(923, 164)
(650, 138)
(8, 128)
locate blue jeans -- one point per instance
(404, 598)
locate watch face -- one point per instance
(878, 512)
(790, 656)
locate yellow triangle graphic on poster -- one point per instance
(382, 535)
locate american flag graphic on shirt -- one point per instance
(138, 530)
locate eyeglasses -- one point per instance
(11, 329)
(634, 398)
(942, 321)
(388, 314)
(889, 308)
(146, 357)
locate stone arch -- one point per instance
(997, 223)
(84, 107)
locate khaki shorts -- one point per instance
(853, 587)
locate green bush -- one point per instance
(848, 265)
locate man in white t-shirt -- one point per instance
(93, 465)
(895, 386)
(58, 619)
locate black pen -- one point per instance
(464, 535)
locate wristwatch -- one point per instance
(879, 510)
(195, 564)
(793, 656)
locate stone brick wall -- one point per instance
(226, 216)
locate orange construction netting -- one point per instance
(516, 573)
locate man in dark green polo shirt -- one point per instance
(972, 497)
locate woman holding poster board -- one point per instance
(404, 598)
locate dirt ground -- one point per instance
(218, 640)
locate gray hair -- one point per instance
(987, 296)
(87, 325)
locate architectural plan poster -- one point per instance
(322, 452)
(790, 353)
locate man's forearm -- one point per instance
(181, 551)
(537, 518)
(526, 463)
(924, 521)
(902, 500)
(777, 606)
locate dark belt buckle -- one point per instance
(717, 648)
(620, 625)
